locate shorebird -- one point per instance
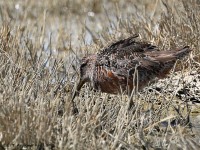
(125, 65)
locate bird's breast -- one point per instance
(108, 82)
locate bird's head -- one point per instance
(87, 66)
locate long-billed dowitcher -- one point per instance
(127, 64)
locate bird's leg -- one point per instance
(132, 89)
(131, 104)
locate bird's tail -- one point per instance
(168, 59)
(172, 55)
(182, 52)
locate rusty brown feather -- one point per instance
(113, 70)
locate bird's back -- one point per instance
(117, 65)
(125, 64)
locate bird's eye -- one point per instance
(83, 65)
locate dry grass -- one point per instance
(40, 45)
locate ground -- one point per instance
(41, 44)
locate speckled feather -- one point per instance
(120, 66)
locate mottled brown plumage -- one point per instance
(126, 63)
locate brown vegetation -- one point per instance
(40, 47)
